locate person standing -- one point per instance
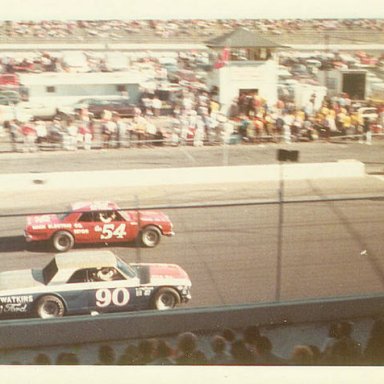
(156, 106)
(367, 131)
(30, 136)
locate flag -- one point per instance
(222, 59)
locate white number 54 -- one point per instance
(109, 231)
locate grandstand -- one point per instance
(316, 31)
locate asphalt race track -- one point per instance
(329, 249)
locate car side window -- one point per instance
(108, 216)
(80, 276)
(86, 217)
(105, 274)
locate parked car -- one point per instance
(91, 283)
(97, 106)
(39, 111)
(369, 112)
(98, 222)
(9, 96)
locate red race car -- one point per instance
(98, 222)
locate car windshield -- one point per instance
(126, 269)
(49, 271)
(124, 215)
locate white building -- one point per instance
(244, 63)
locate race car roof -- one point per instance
(85, 259)
(93, 206)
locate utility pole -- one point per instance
(283, 155)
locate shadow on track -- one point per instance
(18, 244)
(12, 244)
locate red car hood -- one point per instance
(42, 220)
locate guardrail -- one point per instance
(126, 326)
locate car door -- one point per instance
(76, 293)
(126, 108)
(112, 292)
(97, 107)
(110, 226)
(84, 228)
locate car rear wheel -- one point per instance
(150, 236)
(49, 307)
(165, 298)
(62, 241)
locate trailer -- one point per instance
(57, 89)
(350, 81)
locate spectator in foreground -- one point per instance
(241, 355)
(302, 355)
(342, 349)
(130, 355)
(146, 351)
(106, 355)
(220, 354)
(163, 354)
(229, 335)
(187, 352)
(374, 351)
(251, 337)
(264, 353)
(42, 359)
(67, 358)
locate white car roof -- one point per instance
(85, 259)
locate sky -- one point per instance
(187, 9)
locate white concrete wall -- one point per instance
(303, 93)
(179, 176)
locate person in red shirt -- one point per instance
(30, 135)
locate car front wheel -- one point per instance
(49, 307)
(150, 236)
(165, 298)
(63, 241)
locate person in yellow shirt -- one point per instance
(347, 123)
(324, 110)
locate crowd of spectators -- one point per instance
(193, 115)
(229, 347)
(197, 29)
(196, 120)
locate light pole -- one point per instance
(283, 155)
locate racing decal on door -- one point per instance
(106, 297)
(109, 231)
(15, 303)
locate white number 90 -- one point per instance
(119, 297)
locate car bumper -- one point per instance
(185, 295)
(29, 237)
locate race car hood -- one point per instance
(26, 278)
(153, 216)
(162, 274)
(38, 220)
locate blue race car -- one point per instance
(91, 283)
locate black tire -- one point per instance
(50, 307)
(62, 241)
(165, 298)
(150, 236)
